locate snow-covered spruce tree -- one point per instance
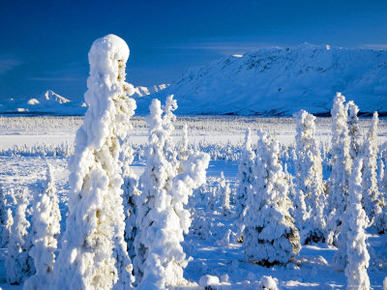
(44, 231)
(224, 189)
(19, 263)
(373, 202)
(341, 163)
(270, 234)
(246, 178)
(246, 175)
(130, 196)
(94, 253)
(357, 257)
(309, 178)
(162, 219)
(353, 129)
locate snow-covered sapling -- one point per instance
(94, 253)
(224, 188)
(373, 201)
(271, 236)
(44, 231)
(354, 131)
(19, 263)
(246, 175)
(354, 236)
(162, 218)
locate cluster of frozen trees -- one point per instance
(121, 230)
(335, 211)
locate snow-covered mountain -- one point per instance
(281, 81)
(145, 91)
(51, 103)
(48, 102)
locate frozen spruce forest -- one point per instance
(221, 195)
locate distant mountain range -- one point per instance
(281, 81)
(266, 82)
(51, 103)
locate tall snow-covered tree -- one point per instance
(162, 218)
(94, 253)
(271, 236)
(354, 236)
(44, 231)
(309, 178)
(19, 263)
(373, 202)
(341, 163)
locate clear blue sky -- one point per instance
(44, 44)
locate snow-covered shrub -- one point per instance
(341, 163)
(44, 231)
(354, 236)
(271, 236)
(267, 282)
(309, 177)
(373, 202)
(19, 263)
(94, 253)
(162, 218)
(225, 192)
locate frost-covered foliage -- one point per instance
(354, 129)
(309, 176)
(270, 234)
(372, 200)
(44, 231)
(354, 236)
(162, 218)
(341, 163)
(19, 263)
(93, 246)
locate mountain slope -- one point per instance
(281, 81)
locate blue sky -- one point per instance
(44, 44)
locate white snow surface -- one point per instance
(281, 81)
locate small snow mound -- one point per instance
(108, 49)
(208, 280)
(267, 282)
(33, 101)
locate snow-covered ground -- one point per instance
(26, 144)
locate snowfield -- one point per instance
(28, 144)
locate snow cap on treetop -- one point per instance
(107, 50)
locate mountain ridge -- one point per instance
(280, 81)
